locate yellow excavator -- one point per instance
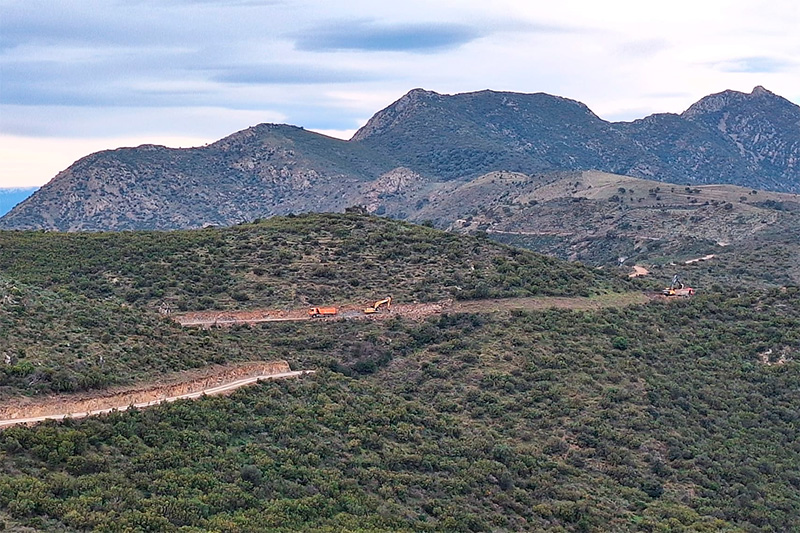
(677, 288)
(374, 309)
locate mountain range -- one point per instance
(425, 142)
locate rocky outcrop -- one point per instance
(397, 182)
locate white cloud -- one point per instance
(111, 122)
(338, 134)
(146, 69)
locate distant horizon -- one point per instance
(12, 196)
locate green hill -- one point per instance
(676, 415)
(81, 311)
(302, 260)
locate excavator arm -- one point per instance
(374, 309)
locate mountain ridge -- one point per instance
(746, 139)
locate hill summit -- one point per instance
(421, 141)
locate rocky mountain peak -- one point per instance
(424, 138)
(724, 100)
(761, 126)
(759, 90)
(394, 114)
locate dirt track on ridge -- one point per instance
(416, 311)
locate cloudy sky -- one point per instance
(78, 76)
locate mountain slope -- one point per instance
(610, 220)
(744, 139)
(262, 171)
(764, 127)
(468, 134)
(422, 142)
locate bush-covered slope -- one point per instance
(661, 417)
(57, 342)
(80, 311)
(677, 415)
(308, 259)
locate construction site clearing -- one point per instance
(217, 379)
(414, 311)
(209, 381)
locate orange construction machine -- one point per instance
(677, 288)
(315, 312)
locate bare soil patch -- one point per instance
(414, 311)
(171, 386)
(638, 271)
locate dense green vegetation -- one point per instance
(677, 415)
(654, 418)
(294, 261)
(63, 342)
(79, 311)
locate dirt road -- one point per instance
(704, 258)
(638, 271)
(207, 319)
(219, 381)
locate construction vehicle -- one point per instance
(677, 288)
(316, 312)
(374, 309)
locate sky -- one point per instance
(79, 76)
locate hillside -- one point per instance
(624, 417)
(300, 261)
(262, 171)
(421, 143)
(751, 140)
(81, 311)
(601, 219)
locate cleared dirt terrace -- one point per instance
(209, 381)
(206, 319)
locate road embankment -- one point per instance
(209, 381)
